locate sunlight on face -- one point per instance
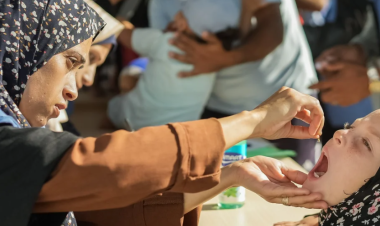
(348, 160)
(51, 86)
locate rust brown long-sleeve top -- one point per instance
(115, 170)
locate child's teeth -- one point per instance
(319, 174)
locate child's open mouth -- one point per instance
(320, 168)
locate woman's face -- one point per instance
(52, 85)
(97, 56)
(348, 160)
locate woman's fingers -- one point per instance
(304, 115)
(308, 103)
(295, 176)
(271, 189)
(321, 126)
(312, 201)
(313, 106)
(288, 223)
(301, 132)
(317, 119)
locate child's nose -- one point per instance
(340, 137)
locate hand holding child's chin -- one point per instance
(273, 181)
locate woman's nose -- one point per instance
(88, 76)
(70, 91)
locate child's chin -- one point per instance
(308, 185)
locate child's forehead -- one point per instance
(374, 116)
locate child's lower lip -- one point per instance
(311, 176)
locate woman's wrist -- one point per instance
(229, 176)
(240, 127)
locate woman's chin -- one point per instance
(39, 122)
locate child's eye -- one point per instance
(365, 142)
(347, 126)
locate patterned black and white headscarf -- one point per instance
(361, 208)
(31, 33)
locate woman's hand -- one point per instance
(267, 177)
(273, 181)
(276, 113)
(307, 221)
(272, 119)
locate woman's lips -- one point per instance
(57, 109)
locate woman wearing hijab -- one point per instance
(43, 45)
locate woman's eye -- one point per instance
(73, 60)
(365, 142)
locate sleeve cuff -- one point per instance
(201, 146)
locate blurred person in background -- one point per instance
(272, 52)
(160, 96)
(343, 39)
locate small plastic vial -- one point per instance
(234, 197)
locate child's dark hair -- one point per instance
(227, 37)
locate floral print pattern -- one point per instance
(361, 208)
(33, 31)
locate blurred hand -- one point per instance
(127, 83)
(206, 58)
(345, 84)
(343, 53)
(272, 180)
(276, 113)
(307, 221)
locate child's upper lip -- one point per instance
(325, 151)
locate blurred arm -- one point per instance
(311, 5)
